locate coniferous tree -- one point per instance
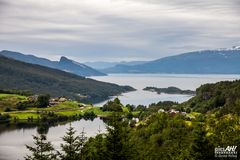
(43, 150)
(117, 142)
(81, 142)
(73, 145)
(95, 147)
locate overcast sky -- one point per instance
(115, 30)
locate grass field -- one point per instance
(68, 108)
(10, 101)
(68, 105)
(24, 115)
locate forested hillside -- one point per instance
(43, 80)
(63, 64)
(167, 130)
(189, 131)
(220, 98)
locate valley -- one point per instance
(119, 80)
(210, 107)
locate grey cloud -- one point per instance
(89, 31)
(3, 5)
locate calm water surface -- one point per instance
(12, 142)
(140, 81)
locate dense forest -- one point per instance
(16, 75)
(221, 98)
(211, 119)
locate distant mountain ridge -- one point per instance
(220, 61)
(101, 65)
(17, 75)
(64, 64)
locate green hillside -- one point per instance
(166, 135)
(208, 120)
(221, 98)
(10, 100)
(43, 80)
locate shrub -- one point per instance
(7, 109)
(43, 101)
(114, 106)
(89, 115)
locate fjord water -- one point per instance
(140, 81)
(12, 141)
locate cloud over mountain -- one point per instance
(109, 30)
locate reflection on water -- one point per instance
(13, 140)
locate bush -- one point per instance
(130, 107)
(130, 115)
(140, 108)
(188, 110)
(4, 117)
(43, 101)
(114, 106)
(89, 115)
(25, 104)
(7, 109)
(21, 106)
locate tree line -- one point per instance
(160, 136)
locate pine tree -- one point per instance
(43, 150)
(117, 142)
(81, 142)
(95, 147)
(73, 145)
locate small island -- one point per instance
(169, 90)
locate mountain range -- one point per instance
(219, 61)
(17, 75)
(64, 64)
(101, 65)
